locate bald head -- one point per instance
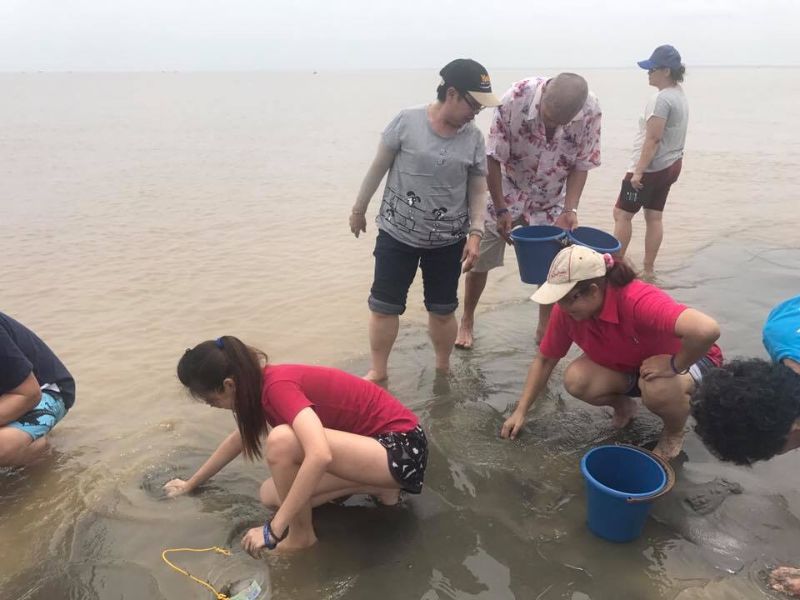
(564, 97)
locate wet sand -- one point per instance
(167, 214)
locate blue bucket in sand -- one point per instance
(621, 483)
(597, 240)
(536, 247)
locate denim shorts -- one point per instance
(39, 421)
(408, 457)
(396, 265)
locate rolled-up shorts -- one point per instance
(655, 188)
(408, 457)
(697, 371)
(39, 421)
(396, 265)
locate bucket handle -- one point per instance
(664, 465)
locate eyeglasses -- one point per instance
(472, 103)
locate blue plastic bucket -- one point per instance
(536, 247)
(597, 240)
(621, 482)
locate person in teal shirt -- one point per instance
(749, 410)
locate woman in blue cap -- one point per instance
(657, 154)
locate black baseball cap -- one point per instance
(467, 75)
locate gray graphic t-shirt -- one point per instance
(425, 200)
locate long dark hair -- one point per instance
(205, 367)
(619, 275)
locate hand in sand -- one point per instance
(512, 426)
(786, 580)
(176, 487)
(253, 541)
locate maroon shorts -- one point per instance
(653, 194)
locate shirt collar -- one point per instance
(610, 311)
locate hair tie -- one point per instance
(609, 260)
(218, 343)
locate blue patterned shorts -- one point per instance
(39, 421)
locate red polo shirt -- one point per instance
(342, 401)
(636, 322)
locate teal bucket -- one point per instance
(536, 247)
(621, 483)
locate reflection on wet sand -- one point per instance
(497, 519)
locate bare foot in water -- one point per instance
(375, 377)
(296, 542)
(464, 340)
(624, 411)
(786, 580)
(387, 498)
(669, 446)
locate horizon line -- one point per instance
(356, 69)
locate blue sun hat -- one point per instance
(665, 56)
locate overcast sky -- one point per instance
(184, 35)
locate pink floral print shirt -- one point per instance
(534, 169)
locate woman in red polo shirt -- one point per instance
(637, 341)
(330, 434)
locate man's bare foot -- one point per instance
(649, 274)
(786, 580)
(669, 445)
(465, 340)
(375, 377)
(624, 411)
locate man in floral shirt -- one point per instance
(544, 138)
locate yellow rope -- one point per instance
(218, 595)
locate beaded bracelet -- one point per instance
(270, 535)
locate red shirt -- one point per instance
(342, 401)
(636, 322)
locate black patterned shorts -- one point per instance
(408, 457)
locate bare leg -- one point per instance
(442, 329)
(654, 233)
(330, 488)
(623, 228)
(474, 284)
(600, 386)
(18, 449)
(668, 398)
(544, 319)
(357, 460)
(382, 334)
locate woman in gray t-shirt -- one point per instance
(657, 154)
(432, 210)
